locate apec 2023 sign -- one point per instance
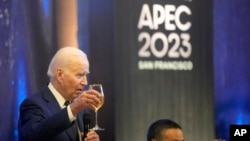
(164, 38)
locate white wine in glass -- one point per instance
(97, 87)
(100, 104)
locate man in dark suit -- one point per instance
(51, 114)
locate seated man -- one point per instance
(165, 130)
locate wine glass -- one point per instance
(97, 87)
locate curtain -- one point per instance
(231, 65)
(27, 44)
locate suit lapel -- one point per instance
(51, 100)
(55, 107)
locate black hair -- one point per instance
(154, 130)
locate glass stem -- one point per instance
(96, 124)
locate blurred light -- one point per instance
(239, 118)
(45, 4)
(21, 81)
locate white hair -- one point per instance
(62, 57)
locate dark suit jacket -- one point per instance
(42, 119)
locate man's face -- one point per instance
(173, 134)
(74, 78)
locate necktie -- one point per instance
(66, 103)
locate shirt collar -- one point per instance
(58, 96)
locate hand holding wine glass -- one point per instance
(97, 87)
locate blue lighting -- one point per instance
(15, 132)
(21, 87)
(231, 55)
(45, 4)
(239, 119)
(21, 82)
